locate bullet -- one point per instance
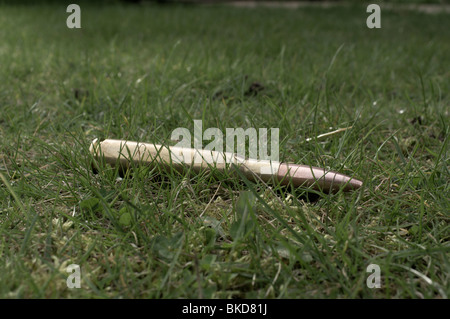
(126, 153)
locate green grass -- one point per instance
(140, 72)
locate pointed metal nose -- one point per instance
(315, 177)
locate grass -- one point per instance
(139, 72)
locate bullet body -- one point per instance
(123, 153)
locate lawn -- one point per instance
(138, 72)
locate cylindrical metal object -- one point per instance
(124, 153)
